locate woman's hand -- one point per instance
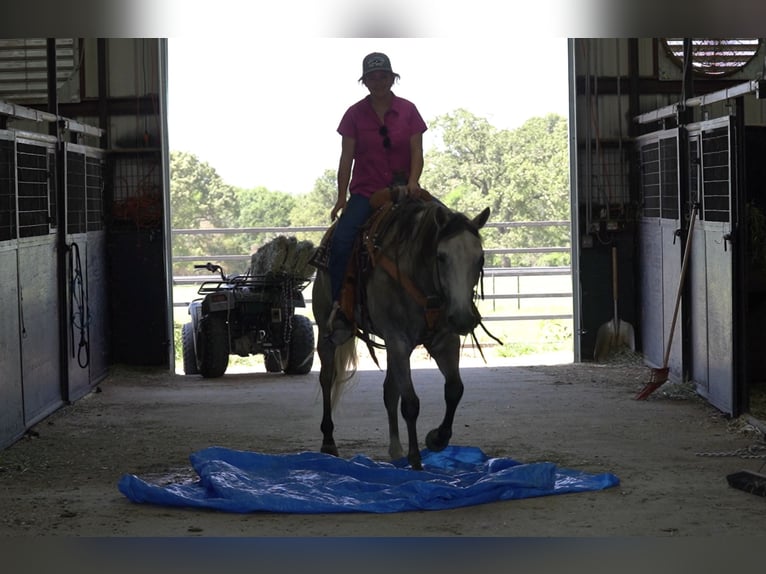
(413, 189)
(340, 205)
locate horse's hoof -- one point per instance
(435, 442)
(396, 454)
(330, 449)
(415, 464)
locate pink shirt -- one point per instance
(375, 165)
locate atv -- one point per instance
(245, 315)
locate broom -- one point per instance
(660, 375)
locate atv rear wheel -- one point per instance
(214, 346)
(189, 354)
(300, 356)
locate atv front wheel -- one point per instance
(189, 354)
(214, 346)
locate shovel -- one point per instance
(615, 333)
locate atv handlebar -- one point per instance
(213, 268)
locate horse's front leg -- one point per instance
(326, 351)
(445, 349)
(400, 375)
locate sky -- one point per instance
(265, 112)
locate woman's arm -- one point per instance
(416, 162)
(348, 145)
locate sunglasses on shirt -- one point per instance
(383, 131)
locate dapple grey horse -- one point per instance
(427, 262)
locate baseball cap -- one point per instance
(374, 62)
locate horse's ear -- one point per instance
(441, 217)
(481, 219)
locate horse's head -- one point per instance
(459, 264)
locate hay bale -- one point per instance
(283, 255)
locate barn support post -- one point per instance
(574, 228)
(634, 176)
(685, 116)
(61, 214)
(103, 116)
(162, 56)
(741, 294)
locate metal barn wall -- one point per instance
(123, 81)
(82, 199)
(621, 91)
(33, 384)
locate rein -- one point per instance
(431, 305)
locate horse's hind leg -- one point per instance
(321, 305)
(446, 352)
(326, 351)
(391, 400)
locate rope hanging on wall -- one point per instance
(79, 315)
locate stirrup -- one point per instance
(341, 329)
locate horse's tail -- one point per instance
(344, 368)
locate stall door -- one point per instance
(86, 269)
(711, 271)
(660, 250)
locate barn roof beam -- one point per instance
(23, 113)
(757, 87)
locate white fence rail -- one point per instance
(500, 283)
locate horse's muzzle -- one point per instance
(463, 323)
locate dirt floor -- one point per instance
(672, 453)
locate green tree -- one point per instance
(198, 195)
(260, 207)
(466, 163)
(522, 175)
(313, 208)
(539, 169)
(539, 185)
(199, 198)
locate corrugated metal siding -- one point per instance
(98, 305)
(11, 395)
(41, 372)
(24, 69)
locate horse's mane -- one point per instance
(419, 222)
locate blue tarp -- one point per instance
(308, 482)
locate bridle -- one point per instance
(433, 303)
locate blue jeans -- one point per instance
(354, 216)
